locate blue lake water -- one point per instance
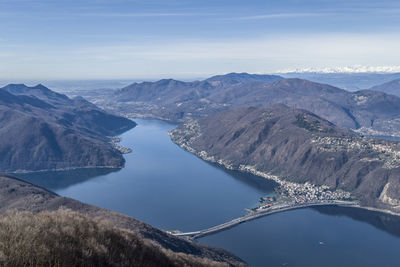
(170, 188)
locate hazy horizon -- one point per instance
(56, 40)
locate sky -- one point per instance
(148, 39)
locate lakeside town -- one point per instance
(288, 196)
(292, 194)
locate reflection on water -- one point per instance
(171, 188)
(257, 182)
(63, 179)
(167, 186)
(383, 221)
(307, 237)
(386, 222)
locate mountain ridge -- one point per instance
(391, 87)
(176, 101)
(63, 133)
(298, 146)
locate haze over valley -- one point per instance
(199, 133)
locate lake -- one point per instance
(172, 189)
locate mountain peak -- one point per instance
(39, 91)
(40, 87)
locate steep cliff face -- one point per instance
(298, 146)
(19, 195)
(41, 129)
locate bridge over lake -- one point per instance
(265, 212)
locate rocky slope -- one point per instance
(370, 112)
(298, 146)
(41, 129)
(18, 195)
(392, 87)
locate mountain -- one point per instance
(38, 91)
(366, 111)
(392, 87)
(42, 130)
(236, 78)
(174, 100)
(46, 238)
(22, 196)
(79, 111)
(349, 81)
(298, 146)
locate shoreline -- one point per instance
(250, 169)
(114, 140)
(61, 169)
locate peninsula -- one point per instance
(309, 157)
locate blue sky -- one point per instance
(115, 39)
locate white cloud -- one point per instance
(176, 58)
(347, 69)
(307, 47)
(281, 15)
(138, 15)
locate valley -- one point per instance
(249, 148)
(199, 133)
(171, 189)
